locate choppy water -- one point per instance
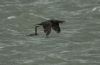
(77, 44)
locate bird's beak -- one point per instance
(62, 22)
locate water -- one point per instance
(77, 44)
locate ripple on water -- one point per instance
(11, 17)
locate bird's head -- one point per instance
(60, 21)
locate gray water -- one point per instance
(77, 44)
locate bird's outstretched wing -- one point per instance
(56, 27)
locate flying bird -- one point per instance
(48, 25)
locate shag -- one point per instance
(47, 26)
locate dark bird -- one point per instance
(47, 26)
